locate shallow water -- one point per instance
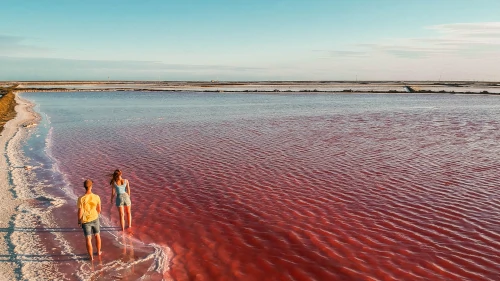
(292, 187)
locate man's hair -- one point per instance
(87, 184)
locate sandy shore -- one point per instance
(11, 202)
(21, 248)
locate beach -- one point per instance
(8, 208)
(254, 186)
(21, 247)
(256, 140)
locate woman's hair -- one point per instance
(116, 176)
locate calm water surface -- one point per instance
(293, 187)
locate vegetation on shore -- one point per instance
(7, 105)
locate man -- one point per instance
(89, 208)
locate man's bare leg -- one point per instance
(89, 247)
(98, 243)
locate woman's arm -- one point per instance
(112, 193)
(128, 188)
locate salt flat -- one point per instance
(265, 86)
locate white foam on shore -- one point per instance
(158, 259)
(26, 248)
(161, 256)
(27, 188)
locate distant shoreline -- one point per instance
(257, 91)
(289, 87)
(442, 82)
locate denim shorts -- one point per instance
(91, 227)
(123, 200)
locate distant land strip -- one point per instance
(214, 86)
(407, 89)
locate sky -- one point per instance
(250, 40)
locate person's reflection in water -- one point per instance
(128, 252)
(98, 267)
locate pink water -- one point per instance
(358, 195)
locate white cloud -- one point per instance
(459, 39)
(14, 45)
(460, 51)
(467, 29)
(48, 68)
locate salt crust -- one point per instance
(19, 245)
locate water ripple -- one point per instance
(385, 195)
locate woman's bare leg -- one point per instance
(122, 217)
(128, 210)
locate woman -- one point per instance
(121, 188)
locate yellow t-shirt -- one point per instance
(88, 203)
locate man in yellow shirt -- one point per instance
(89, 208)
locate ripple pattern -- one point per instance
(386, 194)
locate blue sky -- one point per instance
(250, 40)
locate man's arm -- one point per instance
(80, 215)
